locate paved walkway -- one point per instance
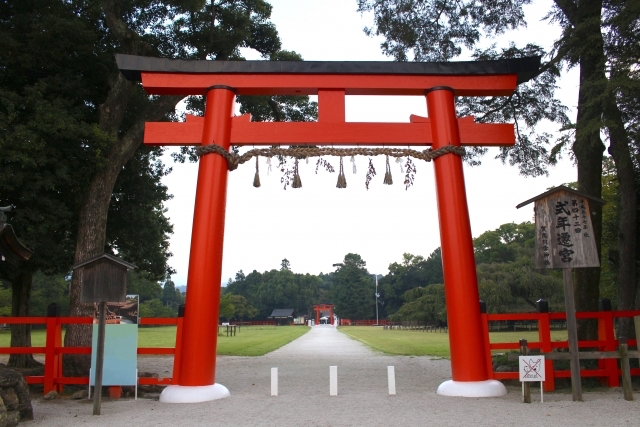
(363, 399)
(322, 341)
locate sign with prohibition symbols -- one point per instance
(531, 368)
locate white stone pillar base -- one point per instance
(193, 394)
(488, 388)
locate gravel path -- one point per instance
(362, 399)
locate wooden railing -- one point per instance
(608, 370)
(53, 378)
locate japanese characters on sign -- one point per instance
(563, 232)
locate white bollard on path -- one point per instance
(333, 380)
(274, 381)
(391, 373)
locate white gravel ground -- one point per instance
(362, 399)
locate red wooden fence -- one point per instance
(607, 371)
(53, 378)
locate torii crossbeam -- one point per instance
(221, 81)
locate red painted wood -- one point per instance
(606, 333)
(51, 358)
(115, 392)
(328, 133)
(177, 357)
(544, 335)
(487, 345)
(309, 84)
(200, 335)
(158, 321)
(468, 355)
(73, 350)
(330, 106)
(22, 350)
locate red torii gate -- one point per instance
(221, 81)
(319, 308)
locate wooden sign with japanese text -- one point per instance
(564, 235)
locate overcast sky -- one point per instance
(317, 225)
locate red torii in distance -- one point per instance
(319, 308)
(221, 81)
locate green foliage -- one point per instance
(414, 271)
(425, 305)
(428, 30)
(227, 309)
(280, 108)
(353, 292)
(138, 229)
(47, 289)
(155, 308)
(140, 283)
(47, 110)
(5, 299)
(610, 217)
(263, 292)
(507, 277)
(171, 296)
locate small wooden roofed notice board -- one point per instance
(564, 233)
(104, 279)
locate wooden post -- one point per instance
(52, 362)
(176, 357)
(97, 396)
(636, 321)
(572, 332)
(526, 387)
(626, 370)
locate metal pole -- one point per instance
(97, 396)
(376, 300)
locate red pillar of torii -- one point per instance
(220, 81)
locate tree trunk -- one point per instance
(21, 334)
(588, 149)
(90, 242)
(92, 224)
(627, 215)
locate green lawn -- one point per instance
(249, 341)
(37, 338)
(418, 343)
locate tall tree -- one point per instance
(600, 38)
(45, 123)
(353, 292)
(414, 271)
(172, 28)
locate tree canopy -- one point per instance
(598, 37)
(353, 290)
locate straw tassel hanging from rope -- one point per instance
(342, 180)
(388, 180)
(256, 179)
(297, 183)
